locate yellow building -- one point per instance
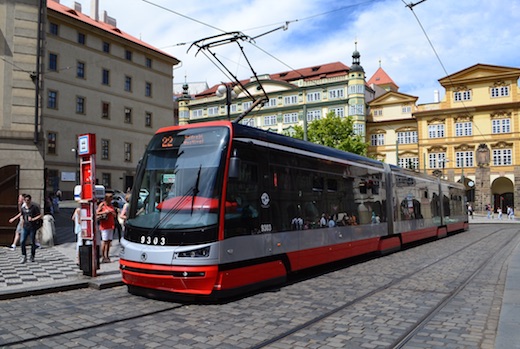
(471, 136)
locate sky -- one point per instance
(415, 45)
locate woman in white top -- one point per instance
(76, 217)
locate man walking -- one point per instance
(31, 216)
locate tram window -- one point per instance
(332, 185)
(317, 183)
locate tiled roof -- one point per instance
(380, 77)
(67, 11)
(316, 72)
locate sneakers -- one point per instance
(23, 260)
(12, 247)
(32, 259)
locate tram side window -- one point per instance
(242, 216)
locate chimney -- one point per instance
(109, 20)
(77, 6)
(94, 10)
(436, 96)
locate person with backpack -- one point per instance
(32, 221)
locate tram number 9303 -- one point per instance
(148, 240)
(266, 228)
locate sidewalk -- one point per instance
(55, 267)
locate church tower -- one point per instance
(356, 94)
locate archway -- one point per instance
(502, 190)
(469, 186)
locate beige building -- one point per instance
(93, 78)
(98, 79)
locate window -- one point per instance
(502, 91)
(313, 96)
(356, 89)
(411, 163)
(212, 111)
(148, 119)
(338, 111)
(359, 129)
(270, 120)
(80, 105)
(128, 83)
(377, 139)
(407, 137)
(336, 93)
(501, 126)
(52, 99)
(197, 113)
(148, 62)
(272, 103)
(462, 96)
(233, 108)
(105, 149)
(463, 129)
(406, 109)
(106, 180)
(313, 115)
(82, 39)
(54, 29)
(437, 160)
(246, 105)
(464, 159)
(148, 89)
(356, 109)
(248, 122)
(128, 152)
(105, 77)
(106, 47)
(105, 110)
(128, 55)
(287, 100)
(53, 62)
(502, 157)
(377, 112)
(436, 131)
(290, 118)
(80, 70)
(51, 143)
(128, 115)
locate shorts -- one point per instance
(107, 234)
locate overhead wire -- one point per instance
(411, 6)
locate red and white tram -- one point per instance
(218, 208)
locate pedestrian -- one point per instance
(470, 210)
(499, 211)
(106, 215)
(488, 210)
(511, 214)
(76, 217)
(123, 214)
(19, 226)
(32, 219)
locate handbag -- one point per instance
(103, 216)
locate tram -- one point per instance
(220, 208)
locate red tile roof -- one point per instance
(67, 11)
(316, 72)
(380, 77)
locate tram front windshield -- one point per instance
(180, 180)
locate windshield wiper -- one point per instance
(195, 189)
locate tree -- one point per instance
(333, 131)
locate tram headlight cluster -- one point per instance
(198, 253)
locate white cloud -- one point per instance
(463, 33)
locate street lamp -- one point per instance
(226, 90)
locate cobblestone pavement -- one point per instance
(113, 318)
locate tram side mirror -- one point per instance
(234, 167)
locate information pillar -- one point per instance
(87, 154)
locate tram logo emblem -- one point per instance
(144, 257)
(265, 200)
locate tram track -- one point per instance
(177, 308)
(411, 331)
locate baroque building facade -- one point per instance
(472, 136)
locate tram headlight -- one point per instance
(198, 253)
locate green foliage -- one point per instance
(333, 131)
